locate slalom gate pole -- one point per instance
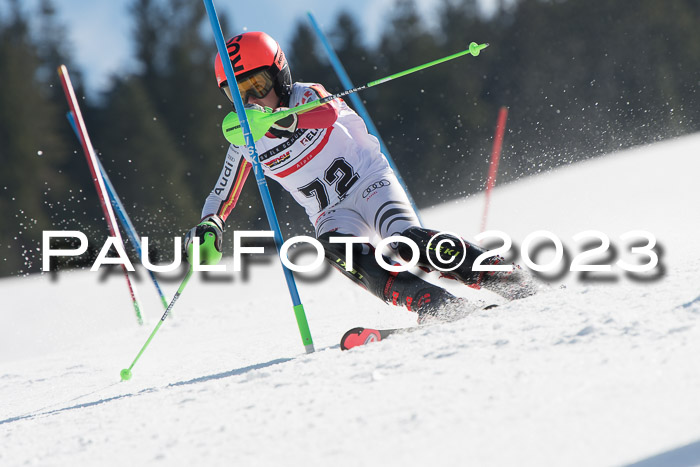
(233, 131)
(259, 175)
(96, 176)
(493, 166)
(121, 214)
(126, 372)
(360, 107)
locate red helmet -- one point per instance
(259, 65)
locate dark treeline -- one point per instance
(581, 78)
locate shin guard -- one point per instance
(399, 289)
(436, 254)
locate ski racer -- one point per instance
(334, 169)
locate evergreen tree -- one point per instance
(408, 112)
(144, 163)
(160, 128)
(468, 108)
(581, 77)
(307, 61)
(357, 59)
(347, 41)
(32, 144)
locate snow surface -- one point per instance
(602, 372)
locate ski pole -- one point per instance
(96, 176)
(360, 107)
(126, 372)
(299, 312)
(260, 121)
(121, 213)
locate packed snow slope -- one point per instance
(603, 372)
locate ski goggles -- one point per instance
(257, 85)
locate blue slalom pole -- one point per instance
(259, 175)
(121, 212)
(359, 106)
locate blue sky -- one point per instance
(93, 23)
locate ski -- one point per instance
(361, 336)
(356, 337)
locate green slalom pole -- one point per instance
(260, 121)
(126, 372)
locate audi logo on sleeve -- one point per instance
(375, 186)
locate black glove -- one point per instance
(285, 127)
(209, 252)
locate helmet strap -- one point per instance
(284, 99)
